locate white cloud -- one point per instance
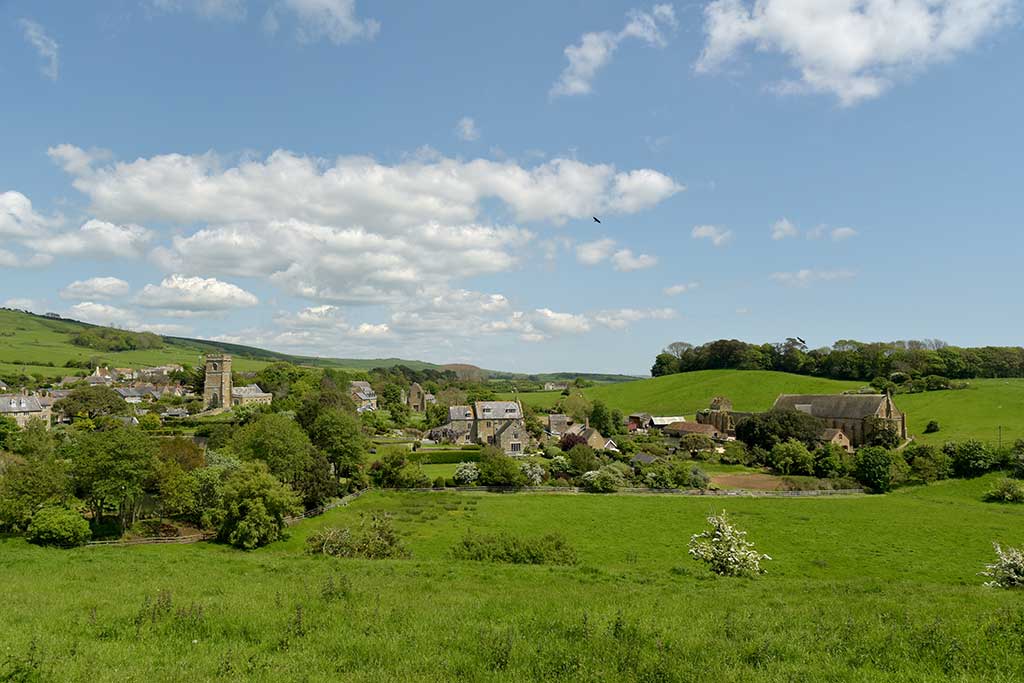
(96, 238)
(101, 314)
(21, 304)
(619, 319)
(560, 323)
(808, 276)
(231, 10)
(17, 217)
(592, 253)
(372, 331)
(9, 259)
(784, 228)
(180, 295)
(625, 261)
(95, 288)
(595, 50)
(840, 234)
(46, 46)
(676, 290)
(466, 129)
(316, 20)
(854, 49)
(719, 236)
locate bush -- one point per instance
(735, 454)
(374, 539)
(697, 445)
(726, 550)
(255, 505)
(927, 463)
(439, 482)
(931, 427)
(1006, 491)
(1008, 569)
(548, 549)
(878, 469)
(498, 469)
(560, 465)
(58, 526)
(969, 458)
(533, 472)
(699, 479)
(466, 474)
(792, 457)
(605, 480)
(830, 461)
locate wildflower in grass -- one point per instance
(1008, 569)
(726, 550)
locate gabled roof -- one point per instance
(666, 421)
(498, 410)
(681, 428)
(644, 458)
(456, 413)
(16, 403)
(251, 390)
(831, 433)
(843, 406)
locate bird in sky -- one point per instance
(801, 341)
(595, 219)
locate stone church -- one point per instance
(219, 392)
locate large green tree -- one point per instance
(340, 436)
(112, 468)
(254, 506)
(91, 402)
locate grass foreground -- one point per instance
(861, 588)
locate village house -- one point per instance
(678, 430)
(639, 422)
(493, 423)
(838, 438)
(855, 414)
(557, 425)
(363, 395)
(556, 386)
(23, 408)
(250, 395)
(417, 400)
(592, 437)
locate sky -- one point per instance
(364, 178)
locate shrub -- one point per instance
(570, 441)
(605, 480)
(255, 504)
(927, 463)
(466, 474)
(533, 472)
(1006, 491)
(439, 482)
(969, 458)
(726, 550)
(699, 479)
(58, 526)
(878, 469)
(830, 461)
(498, 469)
(1008, 569)
(697, 445)
(560, 465)
(735, 454)
(792, 457)
(374, 539)
(548, 549)
(931, 427)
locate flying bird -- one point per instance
(595, 219)
(801, 341)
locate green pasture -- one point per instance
(864, 588)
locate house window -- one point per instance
(515, 447)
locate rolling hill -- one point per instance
(38, 344)
(977, 412)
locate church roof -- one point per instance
(841, 406)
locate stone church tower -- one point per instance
(217, 390)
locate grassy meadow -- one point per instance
(863, 588)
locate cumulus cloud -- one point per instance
(719, 237)
(840, 234)
(676, 290)
(595, 50)
(852, 49)
(96, 238)
(592, 253)
(95, 288)
(180, 295)
(102, 314)
(466, 129)
(46, 46)
(809, 276)
(316, 20)
(17, 217)
(784, 228)
(9, 259)
(626, 261)
(561, 323)
(21, 304)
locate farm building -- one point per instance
(854, 414)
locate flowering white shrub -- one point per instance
(534, 473)
(726, 550)
(605, 480)
(1008, 569)
(560, 464)
(466, 473)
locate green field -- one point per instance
(865, 588)
(29, 342)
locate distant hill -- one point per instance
(42, 344)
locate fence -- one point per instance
(196, 538)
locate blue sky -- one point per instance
(367, 178)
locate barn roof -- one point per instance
(842, 406)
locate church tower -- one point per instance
(217, 390)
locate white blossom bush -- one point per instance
(1008, 569)
(534, 473)
(605, 480)
(560, 465)
(466, 474)
(726, 550)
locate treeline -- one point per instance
(110, 339)
(846, 359)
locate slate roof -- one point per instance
(456, 413)
(17, 403)
(666, 421)
(644, 458)
(249, 390)
(681, 428)
(362, 390)
(841, 406)
(498, 410)
(831, 433)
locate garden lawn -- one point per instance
(865, 588)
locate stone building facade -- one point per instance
(22, 408)
(494, 423)
(417, 398)
(855, 414)
(217, 389)
(250, 395)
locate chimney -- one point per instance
(586, 423)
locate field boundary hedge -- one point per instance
(573, 490)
